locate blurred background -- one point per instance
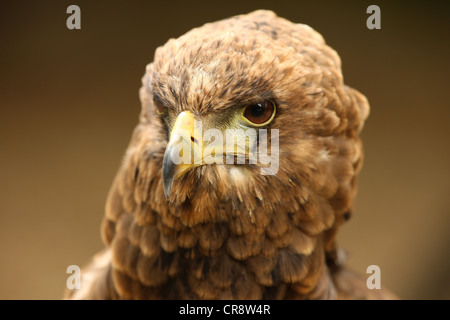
(69, 102)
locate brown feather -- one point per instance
(228, 232)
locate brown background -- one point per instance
(69, 101)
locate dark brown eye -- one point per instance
(260, 113)
(160, 109)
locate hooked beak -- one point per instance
(182, 151)
(186, 148)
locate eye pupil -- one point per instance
(257, 110)
(260, 113)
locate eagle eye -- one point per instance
(259, 114)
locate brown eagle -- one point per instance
(189, 218)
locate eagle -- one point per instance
(239, 173)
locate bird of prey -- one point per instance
(189, 218)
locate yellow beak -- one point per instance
(183, 151)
